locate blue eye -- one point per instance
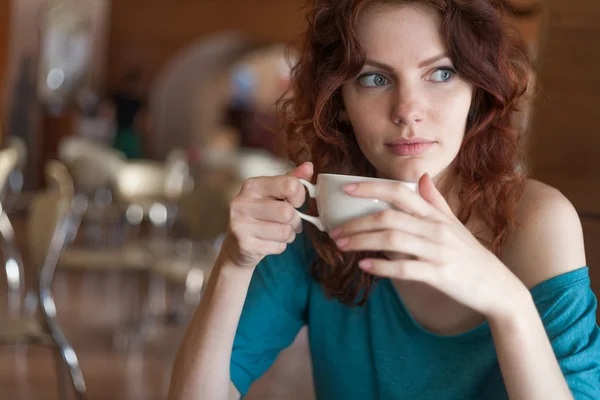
(373, 80)
(442, 75)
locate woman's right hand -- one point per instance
(262, 217)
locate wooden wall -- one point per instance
(147, 33)
(565, 140)
(4, 41)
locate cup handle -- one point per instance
(312, 192)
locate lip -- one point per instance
(409, 147)
(415, 140)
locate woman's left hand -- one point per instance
(445, 254)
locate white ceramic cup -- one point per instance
(335, 206)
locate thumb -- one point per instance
(432, 195)
(303, 171)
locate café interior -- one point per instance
(105, 256)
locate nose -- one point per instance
(407, 106)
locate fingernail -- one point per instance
(350, 187)
(365, 264)
(336, 233)
(343, 242)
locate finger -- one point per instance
(391, 240)
(395, 193)
(269, 231)
(431, 194)
(267, 210)
(283, 187)
(405, 270)
(386, 220)
(303, 171)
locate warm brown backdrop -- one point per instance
(147, 33)
(565, 141)
(4, 32)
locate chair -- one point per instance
(76, 257)
(153, 190)
(91, 163)
(132, 257)
(14, 187)
(92, 166)
(188, 268)
(53, 216)
(13, 264)
(8, 161)
(145, 190)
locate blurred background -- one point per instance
(128, 125)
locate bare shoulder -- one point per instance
(548, 239)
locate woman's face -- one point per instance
(408, 107)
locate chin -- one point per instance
(407, 170)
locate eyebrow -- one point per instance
(431, 60)
(422, 64)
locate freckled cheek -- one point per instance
(368, 121)
(369, 140)
(370, 137)
(451, 111)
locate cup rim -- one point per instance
(366, 177)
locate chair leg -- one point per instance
(66, 357)
(60, 376)
(130, 338)
(141, 311)
(157, 303)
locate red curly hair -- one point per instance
(489, 163)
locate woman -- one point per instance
(474, 289)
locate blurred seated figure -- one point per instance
(247, 143)
(258, 80)
(96, 120)
(131, 115)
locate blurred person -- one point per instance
(257, 81)
(96, 118)
(130, 115)
(476, 287)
